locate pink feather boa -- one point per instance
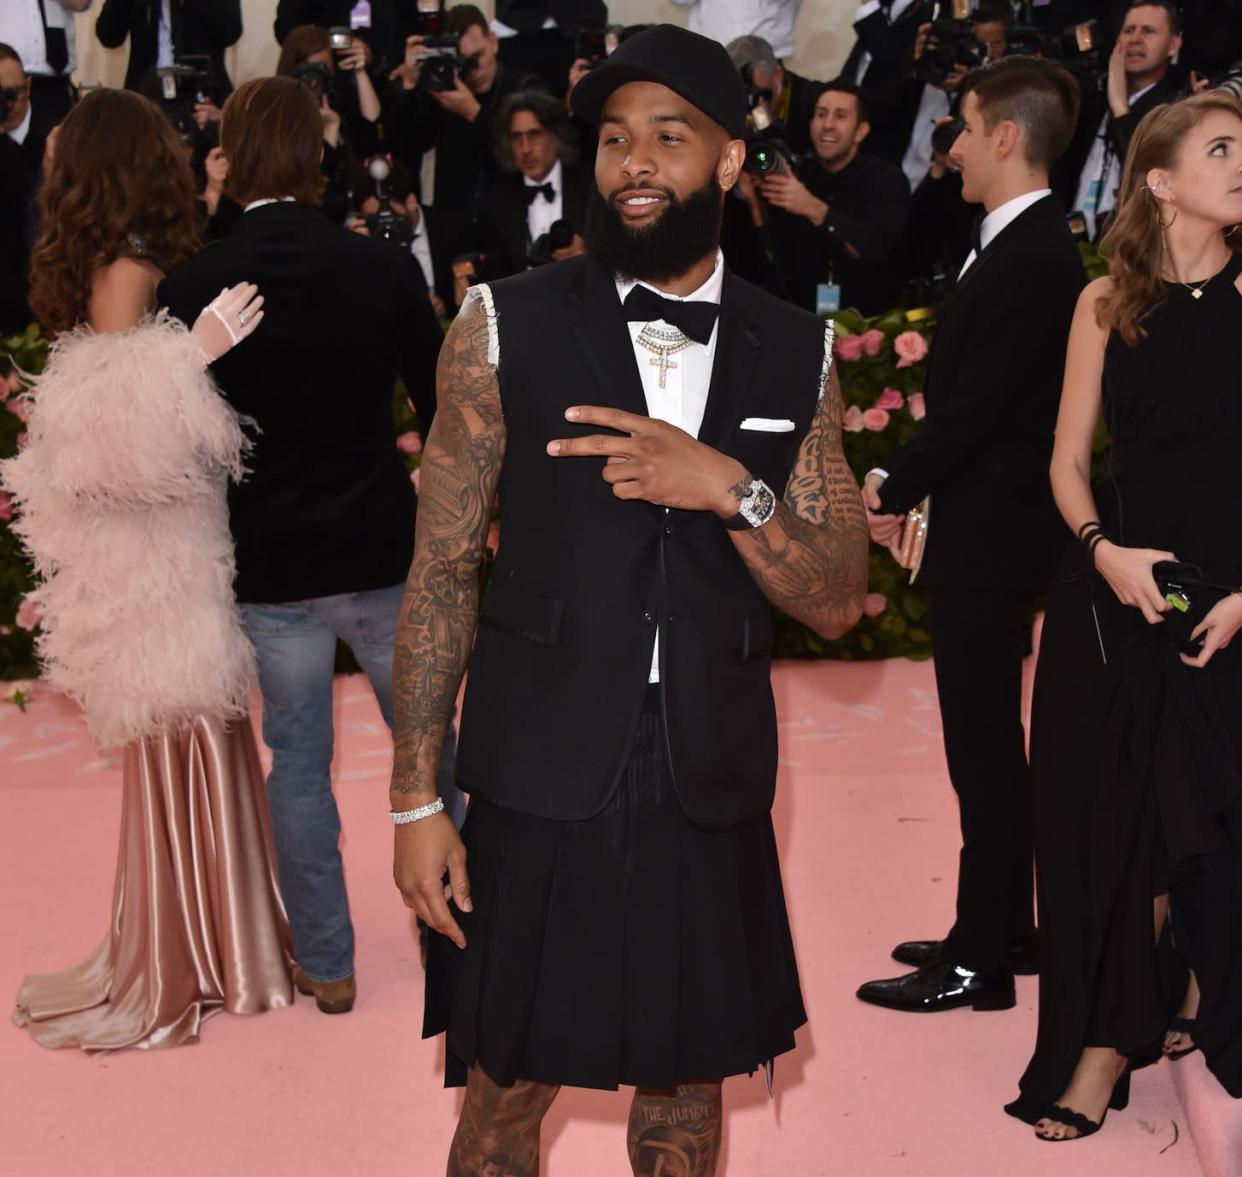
(121, 492)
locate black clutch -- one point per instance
(1192, 598)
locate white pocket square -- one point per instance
(768, 424)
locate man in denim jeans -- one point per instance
(324, 523)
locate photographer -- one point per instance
(786, 100)
(837, 219)
(348, 104)
(538, 36)
(535, 212)
(1138, 80)
(161, 33)
(450, 90)
(380, 24)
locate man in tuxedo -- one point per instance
(160, 31)
(25, 124)
(323, 523)
(618, 733)
(1139, 79)
(542, 188)
(993, 386)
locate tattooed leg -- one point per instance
(675, 1133)
(498, 1133)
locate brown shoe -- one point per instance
(332, 997)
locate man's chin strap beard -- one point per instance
(682, 235)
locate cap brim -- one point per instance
(593, 90)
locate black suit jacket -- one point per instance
(503, 235)
(199, 27)
(993, 388)
(328, 506)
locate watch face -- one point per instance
(758, 505)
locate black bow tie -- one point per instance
(533, 190)
(976, 235)
(694, 319)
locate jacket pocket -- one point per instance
(521, 611)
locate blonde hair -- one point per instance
(1134, 243)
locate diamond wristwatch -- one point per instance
(756, 507)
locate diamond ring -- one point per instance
(243, 318)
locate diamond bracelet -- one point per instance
(401, 817)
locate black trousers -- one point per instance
(978, 642)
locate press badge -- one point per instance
(827, 298)
(360, 15)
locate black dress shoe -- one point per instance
(1023, 958)
(942, 985)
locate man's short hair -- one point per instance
(1040, 96)
(8, 53)
(1171, 10)
(461, 18)
(752, 51)
(990, 11)
(552, 117)
(272, 135)
(845, 86)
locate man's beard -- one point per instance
(683, 234)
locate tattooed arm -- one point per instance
(460, 469)
(810, 558)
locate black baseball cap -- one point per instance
(694, 66)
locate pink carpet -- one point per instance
(866, 823)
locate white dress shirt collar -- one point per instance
(269, 200)
(553, 177)
(18, 133)
(1000, 218)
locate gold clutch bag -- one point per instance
(914, 538)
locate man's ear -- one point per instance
(1005, 138)
(1175, 46)
(729, 167)
(864, 129)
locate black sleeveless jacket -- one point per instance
(582, 579)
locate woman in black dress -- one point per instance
(1136, 748)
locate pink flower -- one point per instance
(20, 409)
(414, 477)
(872, 341)
(849, 347)
(410, 443)
(27, 614)
(890, 398)
(852, 422)
(6, 506)
(916, 405)
(876, 419)
(874, 604)
(911, 348)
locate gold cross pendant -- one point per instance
(662, 362)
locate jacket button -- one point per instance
(648, 617)
(668, 529)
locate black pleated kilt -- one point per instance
(630, 948)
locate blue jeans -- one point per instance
(295, 644)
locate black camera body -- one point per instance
(559, 236)
(443, 63)
(178, 89)
(391, 226)
(766, 156)
(315, 76)
(950, 43)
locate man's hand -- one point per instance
(1218, 628)
(409, 70)
(791, 194)
(656, 462)
(357, 56)
(423, 853)
(459, 101)
(1118, 88)
(576, 248)
(885, 529)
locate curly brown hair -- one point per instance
(119, 186)
(1134, 246)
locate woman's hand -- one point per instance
(234, 314)
(1128, 572)
(1217, 629)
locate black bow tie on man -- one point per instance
(533, 190)
(693, 319)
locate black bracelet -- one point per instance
(1090, 523)
(1097, 538)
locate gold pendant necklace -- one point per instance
(663, 344)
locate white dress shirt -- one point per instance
(1001, 217)
(683, 398)
(420, 247)
(1103, 169)
(542, 213)
(21, 26)
(164, 50)
(723, 20)
(18, 133)
(933, 104)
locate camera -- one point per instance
(559, 236)
(758, 99)
(387, 224)
(429, 17)
(591, 44)
(1230, 81)
(177, 89)
(768, 157)
(443, 64)
(340, 39)
(315, 76)
(950, 43)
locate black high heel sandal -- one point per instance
(1118, 1101)
(1181, 1025)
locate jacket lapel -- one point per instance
(1037, 211)
(598, 324)
(733, 369)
